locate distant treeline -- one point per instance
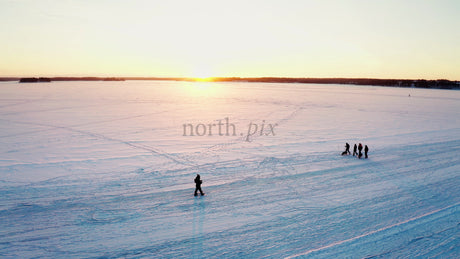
(49, 79)
(418, 83)
(421, 83)
(87, 79)
(34, 79)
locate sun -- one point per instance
(204, 79)
(203, 74)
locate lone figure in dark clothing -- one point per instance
(366, 149)
(360, 148)
(198, 183)
(354, 150)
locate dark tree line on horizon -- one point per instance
(418, 83)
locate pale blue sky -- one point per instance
(354, 38)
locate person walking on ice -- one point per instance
(366, 149)
(360, 148)
(354, 150)
(198, 183)
(347, 149)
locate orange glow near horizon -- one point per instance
(205, 39)
(204, 79)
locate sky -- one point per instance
(410, 39)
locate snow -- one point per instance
(103, 169)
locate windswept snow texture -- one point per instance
(103, 170)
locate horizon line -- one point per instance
(211, 78)
(405, 83)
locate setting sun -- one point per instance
(202, 73)
(204, 79)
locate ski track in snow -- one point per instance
(373, 232)
(285, 196)
(100, 136)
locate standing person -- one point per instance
(354, 150)
(366, 149)
(198, 183)
(360, 148)
(347, 148)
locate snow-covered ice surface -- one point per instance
(102, 169)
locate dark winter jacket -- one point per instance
(198, 182)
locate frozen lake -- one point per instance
(106, 169)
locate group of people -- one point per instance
(357, 150)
